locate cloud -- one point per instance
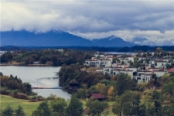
(143, 37)
(92, 18)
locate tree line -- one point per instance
(48, 56)
(12, 85)
(8, 111)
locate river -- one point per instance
(33, 75)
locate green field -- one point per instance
(27, 106)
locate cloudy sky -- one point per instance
(143, 21)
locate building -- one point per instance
(97, 96)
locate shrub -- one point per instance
(3, 90)
(33, 99)
(40, 98)
(51, 97)
(21, 96)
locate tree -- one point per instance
(96, 107)
(43, 59)
(111, 93)
(168, 89)
(155, 80)
(19, 111)
(127, 104)
(27, 88)
(123, 83)
(157, 104)
(167, 110)
(59, 106)
(117, 109)
(142, 110)
(81, 93)
(131, 63)
(6, 57)
(130, 102)
(122, 62)
(42, 110)
(8, 111)
(142, 86)
(75, 108)
(100, 87)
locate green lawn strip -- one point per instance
(27, 106)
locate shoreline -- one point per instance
(39, 65)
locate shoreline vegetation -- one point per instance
(47, 57)
(41, 65)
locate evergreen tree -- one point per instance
(59, 106)
(8, 111)
(127, 104)
(96, 107)
(123, 83)
(19, 111)
(75, 108)
(42, 110)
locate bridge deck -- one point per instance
(42, 87)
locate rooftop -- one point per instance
(170, 70)
(97, 95)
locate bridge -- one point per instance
(43, 87)
(47, 78)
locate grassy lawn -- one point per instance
(27, 106)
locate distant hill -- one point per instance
(57, 38)
(51, 38)
(111, 41)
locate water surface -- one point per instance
(33, 75)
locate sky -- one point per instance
(142, 21)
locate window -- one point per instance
(138, 78)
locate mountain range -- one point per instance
(57, 38)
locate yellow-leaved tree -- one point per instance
(100, 87)
(111, 93)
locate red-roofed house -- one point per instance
(97, 96)
(171, 70)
